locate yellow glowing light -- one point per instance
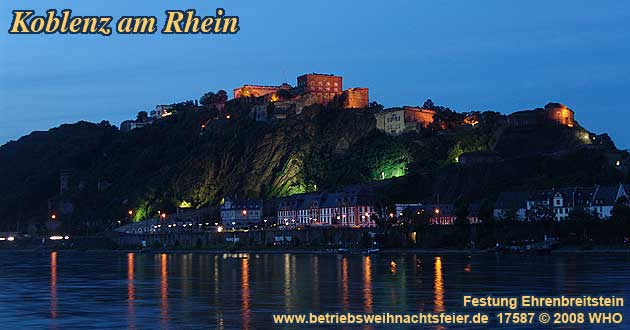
(437, 211)
(220, 229)
(472, 121)
(244, 212)
(618, 163)
(10, 238)
(438, 286)
(185, 205)
(56, 238)
(53, 217)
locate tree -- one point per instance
(142, 117)
(461, 209)
(207, 98)
(222, 96)
(621, 210)
(508, 215)
(486, 210)
(584, 220)
(540, 213)
(211, 98)
(375, 106)
(428, 104)
(381, 223)
(419, 219)
(583, 215)
(183, 106)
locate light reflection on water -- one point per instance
(53, 285)
(61, 290)
(245, 293)
(131, 292)
(164, 290)
(367, 284)
(439, 286)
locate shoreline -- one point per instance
(561, 251)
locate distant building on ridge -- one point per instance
(395, 121)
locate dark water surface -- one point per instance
(102, 290)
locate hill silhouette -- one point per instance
(195, 157)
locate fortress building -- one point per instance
(161, 111)
(258, 90)
(356, 98)
(311, 88)
(395, 121)
(325, 86)
(560, 114)
(553, 113)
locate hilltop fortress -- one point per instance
(312, 88)
(553, 113)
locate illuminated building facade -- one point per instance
(129, 125)
(557, 204)
(395, 121)
(343, 209)
(560, 114)
(161, 111)
(553, 113)
(241, 213)
(312, 88)
(438, 214)
(356, 98)
(258, 90)
(325, 86)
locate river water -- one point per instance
(103, 290)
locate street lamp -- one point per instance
(53, 217)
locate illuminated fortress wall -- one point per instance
(356, 98)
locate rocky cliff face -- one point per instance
(193, 157)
